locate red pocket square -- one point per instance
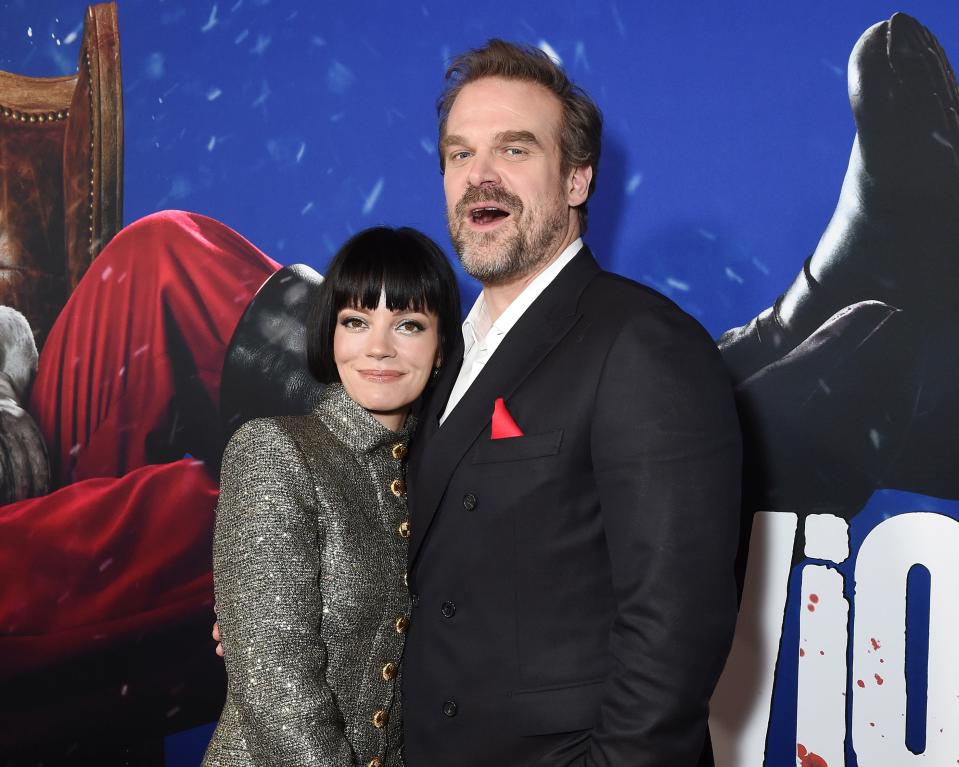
(503, 424)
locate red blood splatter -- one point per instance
(811, 608)
(875, 644)
(809, 759)
(814, 598)
(801, 750)
(860, 683)
(879, 679)
(802, 653)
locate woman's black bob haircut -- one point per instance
(405, 264)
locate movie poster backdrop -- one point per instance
(816, 239)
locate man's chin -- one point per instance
(479, 260)
(478, 248)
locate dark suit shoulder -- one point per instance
(625, 301)
(621, 293)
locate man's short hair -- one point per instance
(581, 128)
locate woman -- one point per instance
(309, 552)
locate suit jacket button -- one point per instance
(402, 623)
(375, 762)
(389, 671)
(469, 501)
(403, 531)
(379, 718)
(448, 609)
(398, 488)
(449, 708)
(399, 451)
(415, 599)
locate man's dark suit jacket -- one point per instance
(579, 577)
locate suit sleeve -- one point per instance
(266, 567)
(666, 452)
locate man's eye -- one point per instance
(410, 327)
(461, 155)
(515, 151)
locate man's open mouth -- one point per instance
(487, 214)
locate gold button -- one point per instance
(379, 718)
(402, 623)
(399, 451)
(389, 671)
(403, 531)
(398, 486)
(375, 762)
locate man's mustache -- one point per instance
(496, 194)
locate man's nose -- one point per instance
(483, 170)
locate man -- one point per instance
(574, 487)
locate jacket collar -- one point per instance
(440, 449)
(353, 425)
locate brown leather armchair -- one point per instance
(61, 173)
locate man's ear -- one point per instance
(577, 186)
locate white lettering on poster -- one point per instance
(742, 703)
(880, 643)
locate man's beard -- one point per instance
(514, 256)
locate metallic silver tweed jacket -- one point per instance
(309, 562)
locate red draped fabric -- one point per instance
(126, 397)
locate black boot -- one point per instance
(894, 234)
(823, 425)
(265, 371)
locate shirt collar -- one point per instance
(478, 317)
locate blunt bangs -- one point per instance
(387, 263)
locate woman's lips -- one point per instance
(381, 376)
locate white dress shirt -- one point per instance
(481, 337)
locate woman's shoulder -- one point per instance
(272, 458)
(279, 428)
(275, 439)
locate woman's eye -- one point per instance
(352, 323)
(410, 327)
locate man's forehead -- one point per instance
(498, 104)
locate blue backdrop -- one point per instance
(299, 123)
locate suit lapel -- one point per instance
(542, 326)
